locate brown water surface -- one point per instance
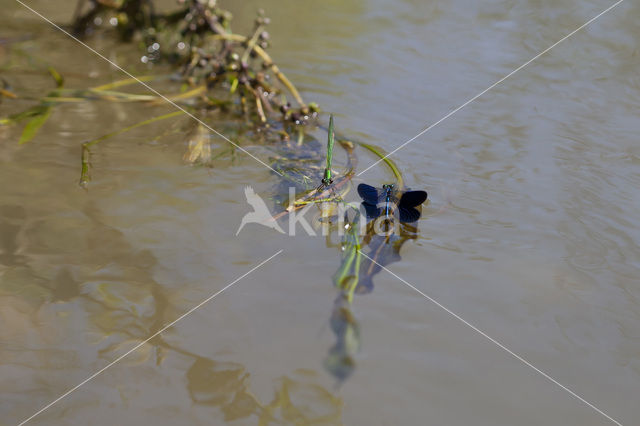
(531, 234)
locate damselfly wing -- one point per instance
(385, 201)
(371, 198)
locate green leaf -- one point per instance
(56, 76)
(28, 113)
(234, 86)
(34, 125)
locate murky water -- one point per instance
(531, 234)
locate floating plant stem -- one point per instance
(251, 44)
(380, 153)
(111, 95)
(7, 94)
(126, 129)
(42, 112)
(34, 124)
(186, 95)
(124, 82)
(84, 174)
(263, 117)
(300, 136)
(268, 62)
(56, 76)
(283, 78)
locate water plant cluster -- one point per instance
(198, 38)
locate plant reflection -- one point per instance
(227, 385)
(355, 276)
(114, 284)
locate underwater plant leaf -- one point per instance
(28, 113)
(84, 174)
(234, 86)
(199, 148)
(56, 76)
(34, 124)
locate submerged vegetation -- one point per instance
(198, 39)
(219, 73)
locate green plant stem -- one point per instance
(124, 82)
(86, 146)
(268, 62)
(380, 153)
(251, 44)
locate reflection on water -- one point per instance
(226, 386)
(381, 244)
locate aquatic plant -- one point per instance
(219, 71)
